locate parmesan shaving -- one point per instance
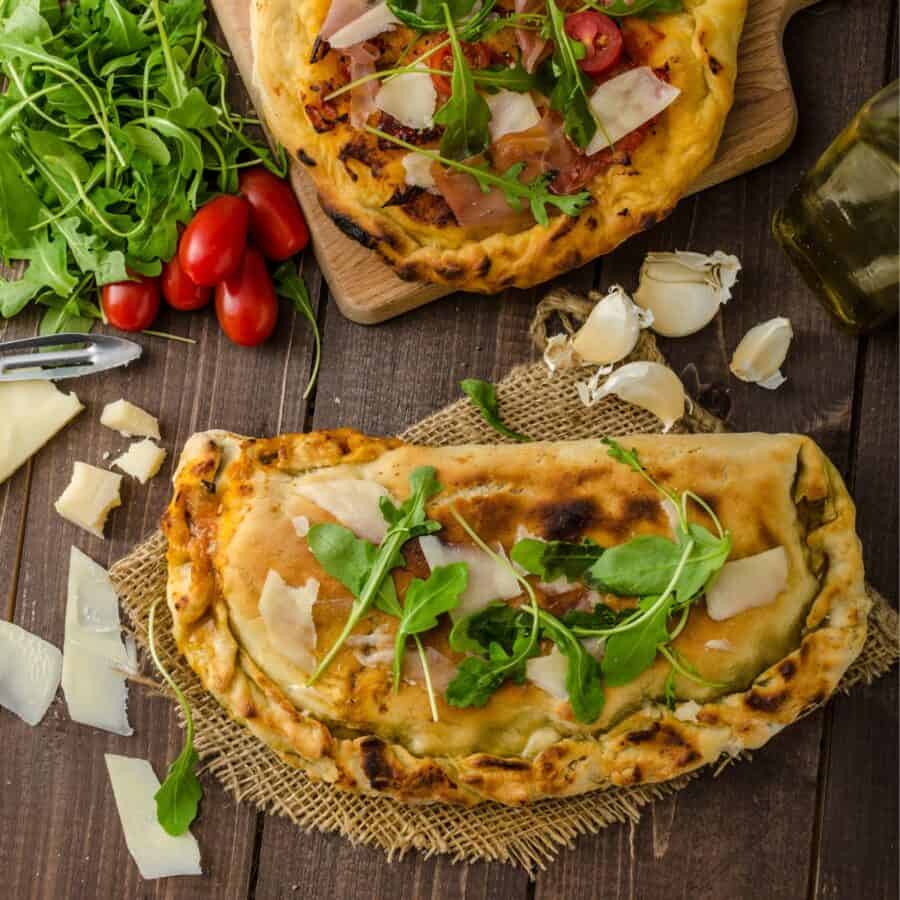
(30, 670)
(354, 502)
(747, 583)
(549, 673)
(129, 420)
(142, 460)
(287, 614)
(409, 98)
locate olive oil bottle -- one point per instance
(840, 225)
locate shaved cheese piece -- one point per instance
(747, 583)
(376, 649)
(687, 712)
(409, 98)
(549, 673)
(596, 647)
(511, 112)
(142, 460)
(441, 670)
(417, 169)
(371, 23)
(129, 420)
(95, 661)
(89, 497)
(489, 580)
(30, 669)
(725, 646)
(287, 614)
(626, 102)
(301, 526)
(31, 412)
(352, 501)
(539, 741)
(156, 853)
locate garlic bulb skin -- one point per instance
(650, 385)
(611, 330)
(761, 353)
(684, 290)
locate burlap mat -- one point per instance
(541, 406)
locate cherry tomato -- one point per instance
(245, 301)
(179, 291)
(131, 305)
(601, 38)
(477, 55)
(212, 245)
(277, 225)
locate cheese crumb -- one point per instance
(142, 460)
(687, 712)
(129, 420)
(89, 497)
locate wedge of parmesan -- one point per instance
(89, 497)
(31, 413)
(129, 420)
(354, 502)
(287, 614)
(95, 661)
(549, 673)
(156, 853)
(747, 583)
(142, 460)
(30, 669)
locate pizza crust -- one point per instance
(352, 732)
(698, 47)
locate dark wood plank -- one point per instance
(58, 768)
(699, 843)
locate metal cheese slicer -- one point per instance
(66, 355)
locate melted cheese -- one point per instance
(95, 660)
(129, 420)
(89, 497)
(409, 98)
(287, 614)
(142, 460)
(626, 102)
(747, 583)
(31, 412)
(30, 669)
(156, 853)
(354, 502)
(489, 580)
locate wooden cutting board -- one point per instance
(760, 127)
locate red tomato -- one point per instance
(179, 291)
(212, 245)
(245, 301)
(601, 38)
(131, 305)
(277, 225)
(478, 56)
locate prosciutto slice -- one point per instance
(530, 42)
(362, 97)
(341, 13)
(475, 209)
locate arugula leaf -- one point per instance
(641, 566)
(508, 78)
(583, 682)
(406, 521)
(495, 624)
(621, 8)
(290, 284)
(600, 618)
(465, 115)
(484, 396)
(556, 559)
(669, 696)
(178, 797)
(570, 95)
(478, 678)
(424, 602)
(469, 17)
(629, 653)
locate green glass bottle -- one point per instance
(840, 225)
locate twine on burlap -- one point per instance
(542, 406)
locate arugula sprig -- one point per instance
(368, 572)
(484, 398)
(178, 797)
(432, 15)
(622, 8)
(289, 284)
(536, 193)
(550, 560)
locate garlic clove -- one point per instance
(761, 353)
(684, 290)
(611, 330)
(650, 385)
(559, 353)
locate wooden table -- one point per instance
(814, 815)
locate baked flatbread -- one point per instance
(364, 187)
(238, 533)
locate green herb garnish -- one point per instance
(431, 15)
(178, 797)
(550, 560)
(484, 396)
(290, 285)
(622, 8)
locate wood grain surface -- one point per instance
(760, 127)
(814, 815)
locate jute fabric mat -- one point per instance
(544, 407)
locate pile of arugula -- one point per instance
(114, 127)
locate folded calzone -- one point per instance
(508, 623)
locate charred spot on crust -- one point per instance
(788, 669)
(644, 735)
(648, 220)
(408, 272)
(765, 702)
(450, 271)
(417, 137)
(375, 763)
(360, 149)
(499, 762)
(567, 520)
(590, 223)
(304, 157)
(402, 196)
(267, 458)
(484, 266)
(323, 117)
(423, 206)
(636, 774)
(714, 65)
(319, 49)
(351, 229)
(210, 486)
(623, 212)
(564, 229)
(641, 509)
(688, 757)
